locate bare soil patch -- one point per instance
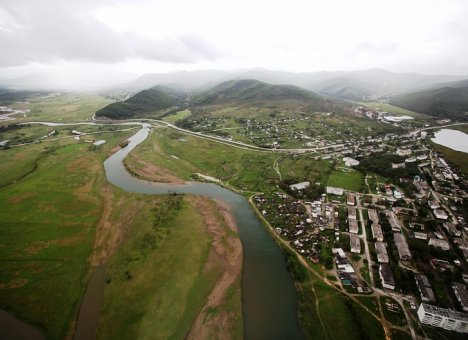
(227, 252)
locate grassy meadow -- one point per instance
(349, 180)
(162, 276)
(47, 227)
(322, 308)
(183, 155)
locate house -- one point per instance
(443, 318)
(440, 214)
(403, 152)
(398, 165)
(353, 226)
(381, 249)
(355, 244)
(441, 244)
(377, 233)
(402, 246)
(420, 236)
(462, 295)
(300, 186)
(386, 276)
(424, 287)
(350, 199)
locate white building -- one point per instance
(350, 161)
(443, 318)
(334, 191)
(440, 214)
(300, 186)
(403, 152)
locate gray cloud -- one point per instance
(45, 32)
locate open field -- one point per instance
(394, 109)
(61, 108)
(346, 180)
(177, 116)
(48, 224)
(397, 318)
(160, 280)
(322, 308)
(170, 156)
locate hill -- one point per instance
(146, 102)
(349, 85)
(444, 102)
(250, 92)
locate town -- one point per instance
(405, 238)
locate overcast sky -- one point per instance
(114, 38)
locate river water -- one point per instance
(453, 139)
(268, 294)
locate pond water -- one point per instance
(453, 139)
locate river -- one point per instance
(269, 299)
(453, 139)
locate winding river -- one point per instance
(268, 294)
(269, 299)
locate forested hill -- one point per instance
(145, 103)
(445, 102)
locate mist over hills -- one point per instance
(350, 85)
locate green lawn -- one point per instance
(347, 180)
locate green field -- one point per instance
(322, 308)
(60, 219)
(47, 229)
(347, 180)
(177, 116)
(394, 109)
(161, 278)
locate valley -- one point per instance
(314, 175)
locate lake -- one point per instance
(453, 139)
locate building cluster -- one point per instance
(347, 273)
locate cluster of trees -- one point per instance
(313, 192)
(381, 164)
